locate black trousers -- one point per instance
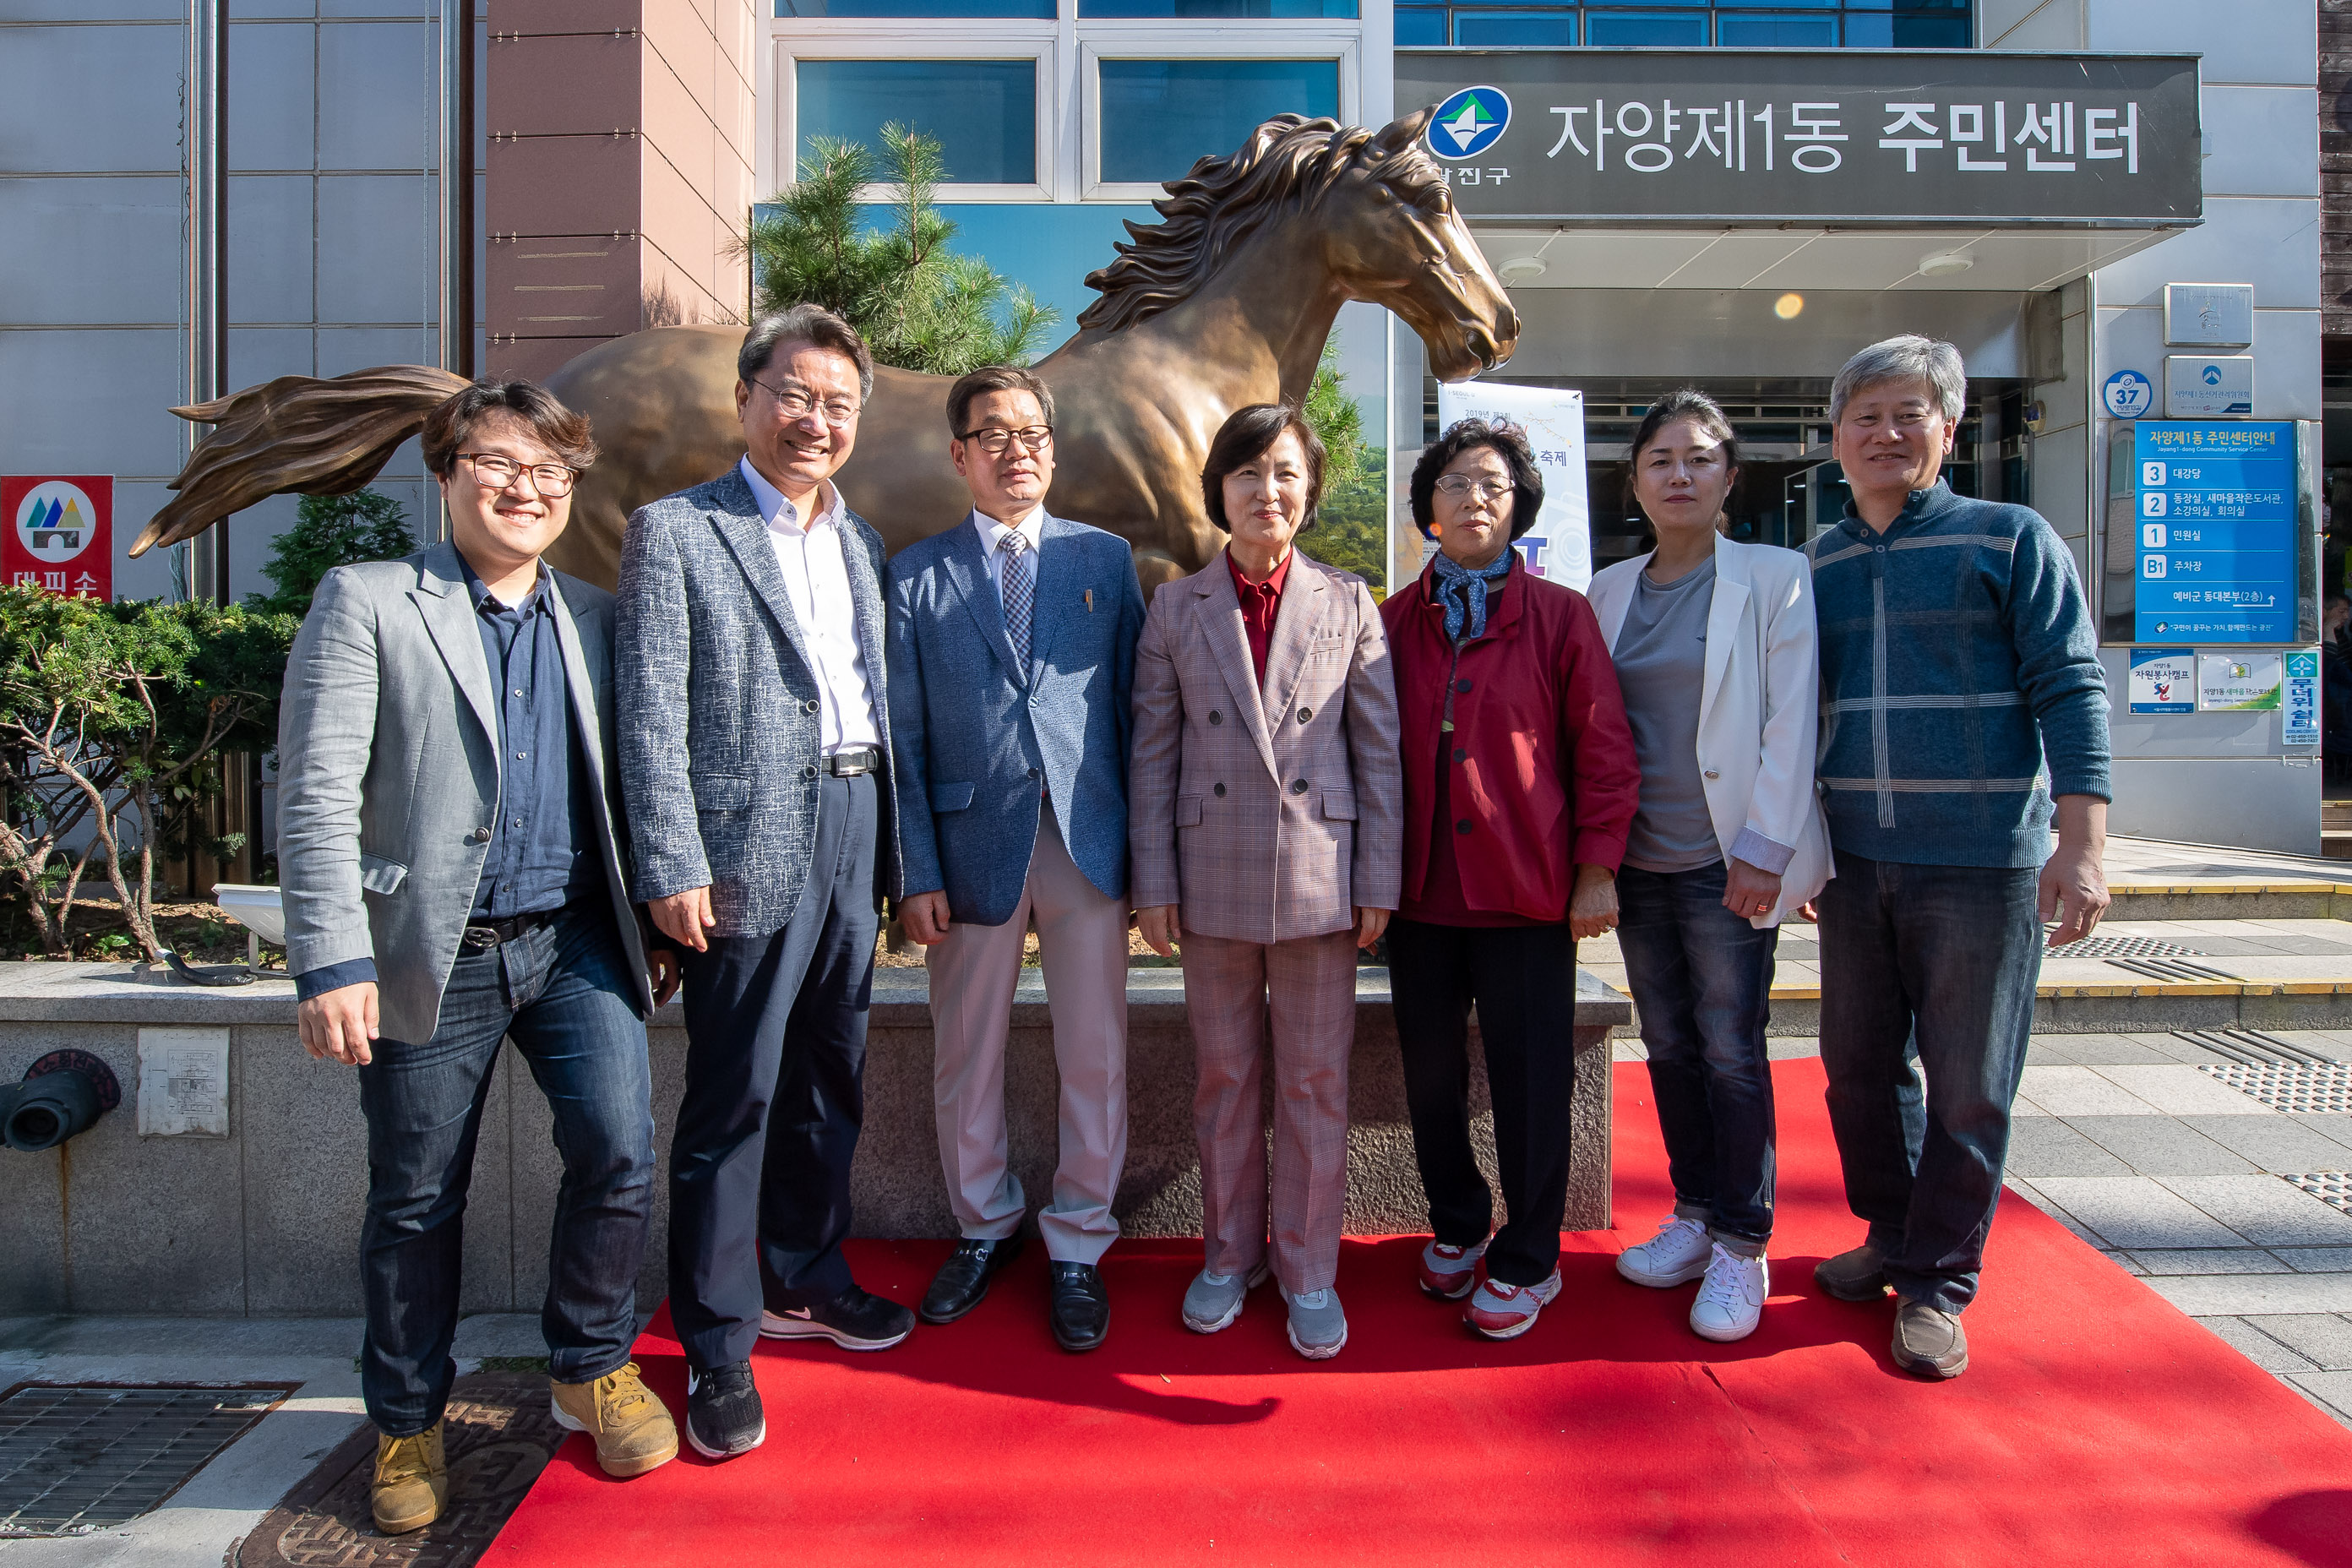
(775, 1062)
(1523, 980)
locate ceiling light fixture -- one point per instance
(1945, 264)
(1520, 268)
(1788, 307)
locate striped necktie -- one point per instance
(1020, 592)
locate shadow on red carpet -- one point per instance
(2097, 1425)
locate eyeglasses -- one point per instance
(1464, 485)
(493, 473)
(997, 442)
(798, 402)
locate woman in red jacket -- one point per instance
(1520, 786)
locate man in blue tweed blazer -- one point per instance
(755, 759)
(1012, 652)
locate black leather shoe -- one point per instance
(855, 1320)
(963, 1278)
(1081, 1309)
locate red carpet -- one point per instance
(2097, 1425)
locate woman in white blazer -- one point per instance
(1714, 644)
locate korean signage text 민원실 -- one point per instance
(1784, 135)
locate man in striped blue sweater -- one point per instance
(1963, 712)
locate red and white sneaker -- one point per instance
(1500, 1312)
(1450, 1273)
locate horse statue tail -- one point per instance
(300, 434)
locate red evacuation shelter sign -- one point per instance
(56, 533)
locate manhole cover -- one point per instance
(2311, 1090)
(2125, 947)
(78, 1457)
(2333, 1188)
(499, 1436)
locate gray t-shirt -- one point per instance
(1661, 658)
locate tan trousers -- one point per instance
(1307, 988)
(1083, 939)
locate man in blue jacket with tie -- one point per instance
(1012, 639)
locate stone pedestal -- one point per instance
(265, 1220)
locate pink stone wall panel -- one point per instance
(566, 86)
(544, 17)
(564, 184)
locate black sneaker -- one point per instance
(723, 1418)
(853, 1319)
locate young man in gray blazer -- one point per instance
(1011, 650)
(755, 758)
(455, 874)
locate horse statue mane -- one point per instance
(1288, 164)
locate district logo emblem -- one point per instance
(1469, 122)
(55, 521)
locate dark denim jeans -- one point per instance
(1926, 970)
(560, 993)
(1702, 977)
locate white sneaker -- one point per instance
(1675, 1256)
(1732, 1299)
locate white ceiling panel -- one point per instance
(2003, 260)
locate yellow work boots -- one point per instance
(412, 1481)
(634, 1431)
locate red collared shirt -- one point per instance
(1261, 602)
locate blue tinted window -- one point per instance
(1632, 31)
(1777, 5)
(1159, 116)
(1930, 32)
(1419, 27)
(1029, 8)
(1215, 10)
(983, 113)
(1776, 32)
(1506, 29)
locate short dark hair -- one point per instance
(1683, 403)
(1249, 434)
(1507, 442)
(812, 325)
(991, 378)
(449, 427)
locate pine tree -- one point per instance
(330, 532)
(1352, 525)
(919, 306)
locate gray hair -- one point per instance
(812, 325)
(1906, 358)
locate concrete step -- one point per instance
(2156, 880)
(2131, 975)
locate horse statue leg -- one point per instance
(321, 437)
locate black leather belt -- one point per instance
(857, 760)
(483, 935)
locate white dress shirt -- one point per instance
(816, 581)
(1031, 530)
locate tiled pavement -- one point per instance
(2178, 1178)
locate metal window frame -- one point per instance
(1341, 44)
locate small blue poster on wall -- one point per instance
(2163, 681)
(2299, 707)
(2216, 509)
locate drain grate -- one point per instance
(2333, 1188)
(2125, 947)
(84, 1457)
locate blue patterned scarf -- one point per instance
(1462, 592)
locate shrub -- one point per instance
(330, 532)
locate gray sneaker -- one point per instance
(1856, 1276)
(1929, 1341)
(1318, 1326)
(1213, 1300)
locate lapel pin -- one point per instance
(1090, 601)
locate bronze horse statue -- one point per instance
(1225, 302)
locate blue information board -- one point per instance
(2215, 504)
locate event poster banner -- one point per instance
(2163, 681)
(1798, 135)
(59, 533)
(1559, 545)
(2215, 507)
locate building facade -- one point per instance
(621, 143)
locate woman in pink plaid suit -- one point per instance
(1263, 831)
